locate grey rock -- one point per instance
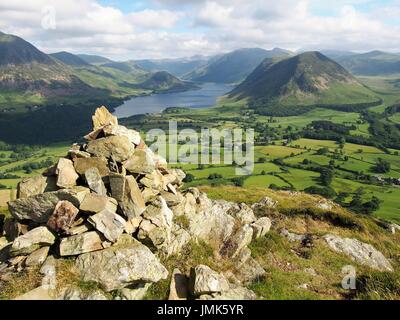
(116, 147)
(83, 164)
(82, 243)
(154, 180)
(110, 224)
(261, 227)
(140, 162)
(39, 293)
(66, 174)
(133, 204)
(115, 268)
(179, 287)
(117, 185)
(40, 207)
(157, 224)
(243, 213)
(38, 257)
(79, 229)
(292, 237)
(238, 240)
(117, 130)
(94, 203)
(95, 182)
(204, 280)
(358, 251)
(35, 185)
(31, 241)
(103, 117)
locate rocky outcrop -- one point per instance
(358, 251)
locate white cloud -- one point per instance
(171, 28)
(162, 19)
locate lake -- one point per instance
(204, 97)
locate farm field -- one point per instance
(288, 174)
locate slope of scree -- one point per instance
(109, 221)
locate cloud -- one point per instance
(162, 19)
(173, 28)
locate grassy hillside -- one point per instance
(371, 63)
(296, 84)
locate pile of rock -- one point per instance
(112, 204)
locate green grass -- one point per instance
(264, 181)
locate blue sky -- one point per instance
(179, 28)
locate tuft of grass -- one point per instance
(182, 221)
(378, 286)
(20, 283)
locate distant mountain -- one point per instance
(164, 81)
(93, 59)
(69, 59)
(235, 66)
(30, 78)
(371, 63)
(26, 72)
(15, 50)
(177, 67)
(332, 54)
(127, 67)
(309, 79)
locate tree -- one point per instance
(238, 182)
(189, 178)
(322, 151)
(381, 166)
(372, 205)
(326, 177)
(262, 160)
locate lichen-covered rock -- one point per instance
(117, 130)
(204, 280)
(83, 164)
(81, 243)
(116, 268)
(132, 204)
(39, 208)
(238, 240)
(38, 257)
(140, 162)
(94, 203)
(358, 251)
(33, 186)
(110, 224)
(261, 227)
(115, 147)
(31, 241)
(95, 182)
(157, 224)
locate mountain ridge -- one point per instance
(306, 79)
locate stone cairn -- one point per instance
(112, 205)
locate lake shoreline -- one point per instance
(206, 95)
